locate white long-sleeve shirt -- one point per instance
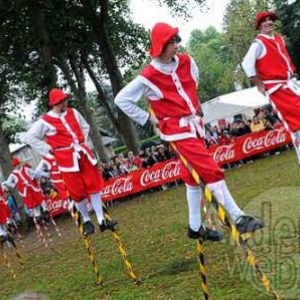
(12, 179)
(36, 134)
(256, 51)
(128, 97)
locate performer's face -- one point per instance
(61, 107)
(171, 48)
(266, 26)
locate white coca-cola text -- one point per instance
(54, 205)
(272, 138)
(120, 186)
(169, 170)
(224, 153)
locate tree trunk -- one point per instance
(94, 132)
(124, 128)
(80, 94)
(50, 78)
(127, 130)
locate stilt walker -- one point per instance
(5, 236)
(62, 133)
(239, 239)
(170, 84)
(56, 186)
(23, 178)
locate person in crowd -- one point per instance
(5, 215)
(209, 139)
(256, 125)
(105, 170)
(161, 154)
(62, 133)
(170, 84)
(268, 64)
(14, 209)
(214, 131)
(225, 138)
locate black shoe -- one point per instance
(10, 239)
(46, 216)
(108, 224)
(3, 239)
(206, 234)
(88, 228)
(11, 228)
(248, 223)
(39, 220)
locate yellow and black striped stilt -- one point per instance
(87, 241)
(121, 248)
(7, 262)
(17, 253)
(234, 232)
(200, 250)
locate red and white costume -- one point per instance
(172, 93)
(63, 132)
(268, 59)
(5, 213)
(65, 135)
(23, 179)
(171, 89)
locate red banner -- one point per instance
(57, 206)
(140, 180)
(164, 172)
(249, 145)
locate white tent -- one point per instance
(226, 106)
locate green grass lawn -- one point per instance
(153, 228)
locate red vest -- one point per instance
(68, 134)
(276, 64)
(4, 212)
(64, 137)
(28, 188)
(179, 100)
(24, 181)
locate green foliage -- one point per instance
(239, 32)
(11, 126)
(215, 66)
(289, 16)
(183, 9)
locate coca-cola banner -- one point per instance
(57, 206)
(250, 144)
(164, 172)
(139, 180)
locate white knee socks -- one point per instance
(36, 212)
(194, 197)
(97, 206)
(44, 205)
(223, 195)
(2, 230)
(82, 208)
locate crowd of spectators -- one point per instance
(264, 118)
(123, 164)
